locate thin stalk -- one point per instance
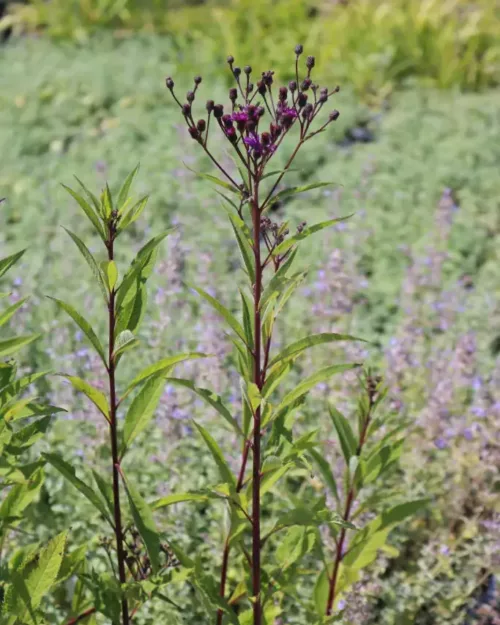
(339, 555)
(256, 546)
(113, 431)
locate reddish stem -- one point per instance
(81, 616)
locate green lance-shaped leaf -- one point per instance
(215, 180)
(124, 191)
(92, 263)
(211, 398)
(306, 385)
(106, 490)
(95, 396)
(68, 472)
(345, 434)
(7, 262)
(275, 375)
(279, 171)
(106, 201)
(133, 213)
(223, 311)
(20, 496)
(326, 472)
(170, 500)
(109, 273)
(92, 198)
(124, 341)
(162, 366)
(299, 346)
(40, 578)
(27, 436)
(84, 325)
(224, 470)
(242, 238)
(12, 390)
(291, 241)
(143, 519)
(14, 344)
(142, 409)
(89, 211)
(141, 266)
(294, 190)
(9, 312)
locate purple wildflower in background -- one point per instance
(440, 443)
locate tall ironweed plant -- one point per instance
(325, 537)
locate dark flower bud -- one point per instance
(190, 96)
(194, 132)
(250, 126)
(323, 95)
(334, 115)
(218, 111)
(233, 94)
(283, 93)
(250, 87)
(302, 99)
(307, 111)
(247, 69)
(186, 109)
(230, 59)
(170, 83)
(237, 71)
(292, 85)
(251, 110)
(231, 134)
(306, 83)
(227, 121)
(314, 88)
(267, 77)
(337, 89)
(275, 131)
(210, 105)
(260, 111)
(201, 125)
(197, 80)
(266, 138)
(311, 61)
(301, 227)
(261, 87)
(299, 48)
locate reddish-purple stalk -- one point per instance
(113, 431)
(339, 551)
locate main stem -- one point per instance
(256, 542)
(113, 431)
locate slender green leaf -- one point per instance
(170, 500)
(291, 241)
(95, 396)
(223, 311)
(14, 344)
(124, 191)
(345, 434)
(69, 473)
(8, 312)
(299, 346)
(306, 385)
(215, 180)
(326, 472)
(85, 326)
(7, 262)
(89, 211)
(20, 496)
(224, 470)
(163, 365)
(110, 273)
(124, 341)
(133, 213)
(142, 409)
(143, 519)
(91, 263)
(244, 245)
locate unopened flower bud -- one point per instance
(323, 95)
(247, 69)
(266, 138)
(261, 87)
(334, 115)
(307, 111)
(302, 99)
(301, 227)
(227, 121)
(186, 109)
(194, 132)
(201, 125)
(210, 105)
(292, 85)
(233, 94)
(190, 96)
(306, 83)
(237, 71)
(218, 111)
(283, 93)
(311, 61)
(197, 80)
(337, 89)
(231, 134)
(299, 48)
(170, 83)
(250, 87)
(260, 111)
(230, 59)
